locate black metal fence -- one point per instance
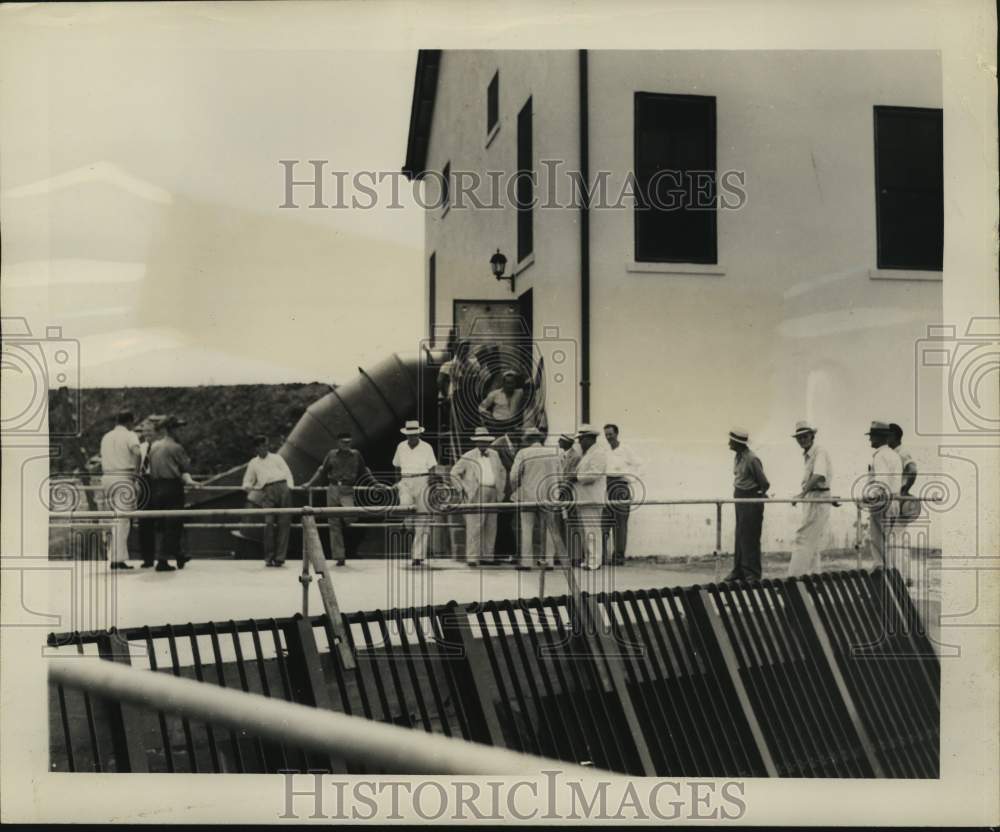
(827, 676)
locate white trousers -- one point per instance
(549, 533)
(413, 492)
(810, 539)
(481, 528)
(119, 495)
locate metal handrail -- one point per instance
(355, 739)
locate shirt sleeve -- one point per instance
(757, 469)
(821, 466)
(250, 476)
(288, 472)
(431, 459)
(396, 463)
(183, 461)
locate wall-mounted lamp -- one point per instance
(498, 264)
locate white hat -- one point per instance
(586, 430)
(411, 428)
(481, 435)
(740, 435)
(802, 427)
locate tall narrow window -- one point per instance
(525, 184)
(909, 188)
(431, 294)
(446, 187)
(493, 102)
(675, 178)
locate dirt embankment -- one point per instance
(222, 419)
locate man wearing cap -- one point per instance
(623, 467)
(885, 477)
(748, 481)
(169, 471)
(590, 486)
(813, 531)
(535, 477)
(268, 482)
(503, 408)
(119, 468)
(147, 525)
(342, 469)
(414, 462)
(483, 479)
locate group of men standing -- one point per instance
(521, 468)
(146, 468)
(891, 473)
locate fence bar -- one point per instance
(312, 548)
(386, 746)
(125, 725)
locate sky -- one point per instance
(140, 185)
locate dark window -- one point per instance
(446, 186)
(525, 185)
(675, 178)
(493, 102)
(909, 188)
(431, 294)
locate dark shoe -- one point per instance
(618, 560)
(416, 563)
(732, 576)
(181, 562)
(341, 563)
(278, 563)
(523, 567)
(146, 564)
(472, 563)
(268, 563)
(163, 566)
(120, 564)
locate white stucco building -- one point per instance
(801, 295)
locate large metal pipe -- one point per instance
(374, 744)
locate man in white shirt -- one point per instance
(120, 467)
(885, 477)
(813, 531)
(622, 468)
(590, 486)
(268, 482)
(503, 409)
(483, 479)
(414, 462)
(535, 477)
(908, 509)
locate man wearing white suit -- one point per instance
(590, 486)
(483, 479)
(535, 476)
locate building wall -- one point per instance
(794, 326)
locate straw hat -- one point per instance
(878, 427)
(803, 427)
(481, 435)
(586, 430)
(411, 428)
(740, 435)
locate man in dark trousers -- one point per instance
(748, 481)
(147, 525)
(169, 471)
(341, 470)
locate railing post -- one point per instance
(718, 538)
(313, 549)
(124, 721)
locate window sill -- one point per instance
(492, 134)
(710, 269)
(904, 274)
(524, 265)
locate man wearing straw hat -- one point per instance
(536, 476)
(748, 481)
(591, 486)
(885, 477)
(483, 479)
(119, 468)
(813, 530)
(414, 462)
